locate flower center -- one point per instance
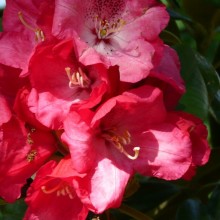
(31, 155)
(104, 28)
(29, 134)
(39, 35)
(77, 78)
(119, 141)
(61, 189)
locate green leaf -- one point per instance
(214, 2)
(212, 81)
(214, 204)
(170, 38)
(151, 194)
(195, 100)
(210, 76)
(202, 84)
(13, 211)
(176, 15)
(215, 108)
(2, 202)
(192, 210)
(199, 10)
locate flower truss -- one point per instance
(88, 93)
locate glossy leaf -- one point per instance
(214, 204)
(214, 2)
(192, 210)
(151, 193)
(13, 211)
(195, 100)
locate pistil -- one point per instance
(120, 141)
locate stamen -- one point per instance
(29, 134)
(63, 192)
(39, 35)
(29, 139)
(60, 189)
(103, 28)
(120, 141)
(49, 191)
(78, 78)
(31, 155)
(69, 193)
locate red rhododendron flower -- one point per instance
(60, 80)
(9, 85)
(5, 111)
(52, 196)
(116, 29)
(22, 110)
(166, 75)
(129, 133)
(88, 92)
(193, 127)
(25, 24)
(23, 150)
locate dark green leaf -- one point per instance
(195, 100)
(192, 210)
(13, 211)
(212, 81)
(214, 2)
(215, 108)
(170, 38)
(202, 84)
(210, 76)
(214, 204)
(178, 16)
(151, 193)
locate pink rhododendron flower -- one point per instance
(22, 110)
(25, 24)
(88, 92)
(52, 196)
(60, 80)
(5, 111)
(121, 31)
(23, 150)
(166, 76)
(197, 131)
(9, 85)
(129, 133)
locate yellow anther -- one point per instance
(31, 155)
(104, 28)
(29, 139)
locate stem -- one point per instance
(133, 213)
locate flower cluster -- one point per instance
(88, 93)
